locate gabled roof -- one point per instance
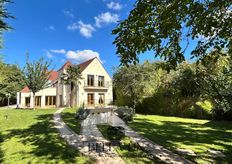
(85, 64)
(53, 75)
(25, 90)
(68, 63)
(81, 65)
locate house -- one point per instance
(94, 89)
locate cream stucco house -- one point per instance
(95, 88)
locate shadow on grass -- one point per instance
(71, 121)
(45, 141)
(1, 152)
(201, 137)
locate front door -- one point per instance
(90, 99)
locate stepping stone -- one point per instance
(186, 152)
(216, 153)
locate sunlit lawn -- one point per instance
(68, 116)
(28, 136)
(191, 134)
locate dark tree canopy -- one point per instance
(3, 16)
(167, 26)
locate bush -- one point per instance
(125, 113)
(81, 113)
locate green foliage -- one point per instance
(194, 90)
(125, 113)
(72, 76)
(10, 81)
(36, 75)
(167, 27)
(215, 77)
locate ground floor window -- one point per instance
(27, 101)
(50, 100)
(37, 100)
(101, 99)
(90, 98)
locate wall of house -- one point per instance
(95, 68)
(43, 93)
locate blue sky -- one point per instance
(61, 30)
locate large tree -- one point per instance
(4, 15)
(215, 79)
(36, 75)
(167, 27)
(10, 81)
(72, 77)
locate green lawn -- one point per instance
(130, 156)
(192, 134)
(28, 136)
(68, 116)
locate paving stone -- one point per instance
(216, 153)
(186, 152)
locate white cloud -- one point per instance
(114, 5)
(60, 51)
(50, 28)
(68, 13)
(49, 55)
(82, 55)
(86, 30)
(106, 18)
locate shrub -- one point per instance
(125, 113)
(81, 113)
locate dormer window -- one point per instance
(90, 80)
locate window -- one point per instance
(101, 99)
(38, 101)
(90, 80)
(90, 98)
(101, 81)
(50, 100)
(27, 101)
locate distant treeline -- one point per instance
(198, 90)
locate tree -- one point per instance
(72, 76)
(36, 75)
(4, 15)
(215, 79)
(163, 26)
(10, 81)
(135, 82)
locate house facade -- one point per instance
(94, 89)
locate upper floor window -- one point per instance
(101, 81)
(90, 80)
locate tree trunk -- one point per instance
(71, 96)
(33, 104)
(74, 96)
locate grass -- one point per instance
(192, 134)
(68, 116)
(130, 156)
(28, 136)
